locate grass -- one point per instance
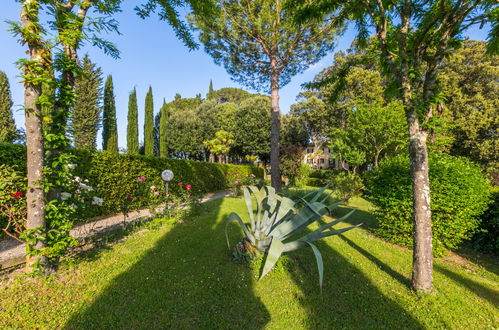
(180, 276)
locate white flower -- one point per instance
(86, 187)
(71, 166)
(73, 206)
(97, 201)
(77, 179)
(65, 195)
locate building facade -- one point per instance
(321, 158)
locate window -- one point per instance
(310, 151)
(309, 161)
(322, 160)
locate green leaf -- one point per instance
(316, 233)
(249, 205)
(273, 254)
(320, 263)
(337, 232)
(234, 217)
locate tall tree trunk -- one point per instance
(35, 196)
(275, 171)
(422, 260)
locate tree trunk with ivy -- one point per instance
(35, 196)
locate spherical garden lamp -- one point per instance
(167, 176)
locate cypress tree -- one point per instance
(210, 91)
(149, 125)
(109, 127)
(157, 122)
(132, 137)
(85, 115)
(7, 125)
(163, 139)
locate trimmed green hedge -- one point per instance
(459, 195)
(114, 176)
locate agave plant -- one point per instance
(278, 220)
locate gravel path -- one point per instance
(12, 252)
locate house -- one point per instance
(320, 158)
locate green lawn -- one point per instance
(180, 276)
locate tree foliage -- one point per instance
(252, 131)
(163, 130)
(371, 133)
(469, 82)
(245, 36)
(220, 145)
(7, 125)
(86, 112)
(149, 124)
(132, 131)
(109, 126)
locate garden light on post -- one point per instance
(167, 176)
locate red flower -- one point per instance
(188, 195)
(188, 187)
(141, 179)
(227, 173)
(180, 183)
(17, 194)
(237, 181)
(129, 197)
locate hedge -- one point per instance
(459, 195)
(114, 176)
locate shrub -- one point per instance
(320, 178)
(12, 201)
(347, 185)
(13, 155)
(459, 195)
(487, 238)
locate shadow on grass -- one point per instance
(380, 264)
(480, 290)
(349, 300)
(185, 281)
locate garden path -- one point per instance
(12, 252)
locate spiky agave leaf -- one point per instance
(278, 219)
(274, 252)
(234, 217)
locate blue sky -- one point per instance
(151, 55)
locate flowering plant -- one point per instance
(236, 182)
(12, 202)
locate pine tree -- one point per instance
(149, 125)
(271, 49)
(211, 92)
(132, 137)
(7, 125)
(109, 130)
(85, 115)
(163, 138)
